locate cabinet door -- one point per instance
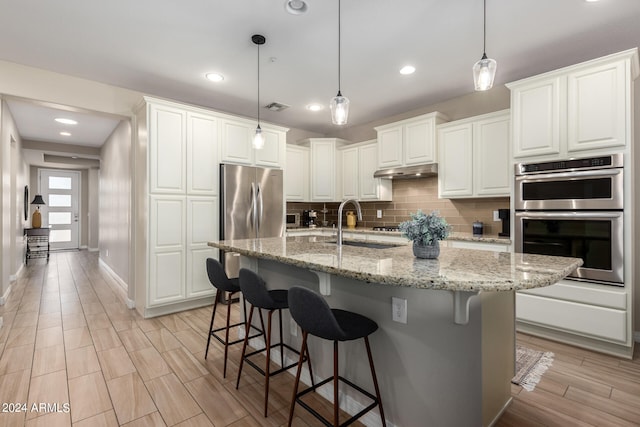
(455, 174)
(492, 167)
(236, 142)
(296, 174)
(273, 152)
(167, 249)
(372, 188)
(202, 227)
(419, 142)
(350, 173)
(202, 154)
(597, 113)
(167, 149)
(535, 117)
(390, 147)
(323, 171)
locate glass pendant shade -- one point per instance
(258, 139)
(484, 71)
(339, 109)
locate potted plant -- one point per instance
(426, 230)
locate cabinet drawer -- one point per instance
(587, 320)
(584, 293)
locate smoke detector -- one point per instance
(276, 106)
(296, 7)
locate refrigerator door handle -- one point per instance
(254, 206)
(260, 207)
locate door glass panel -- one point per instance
(59, 183)
(60, 200)
(60, 236)
(59, 218)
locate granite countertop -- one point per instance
(455, 269)
(457, 235)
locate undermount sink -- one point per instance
(370, 245)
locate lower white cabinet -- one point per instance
(179, 229)
(475, 157)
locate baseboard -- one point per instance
(13, 278)
(122, 287)
(501, 412)
(348, 403)
(636, 336)
(3, 298)
(94, 249)
(82, 247)
(1, 322)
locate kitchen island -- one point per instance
(451, 363)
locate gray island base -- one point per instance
(452, 362)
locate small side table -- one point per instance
(37, 243)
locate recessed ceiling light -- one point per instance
(315, 107)
(407, 69)
(591, 1)
(65, 134)
(214, 77)
(296, 7)
(66, 121)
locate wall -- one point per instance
(410, 195)
(115, 201)
(93, 213)
(636, 231)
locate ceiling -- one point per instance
(164, 48)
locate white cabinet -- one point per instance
(357, 163)
(296, 174)
(202, 227)
(237, 139)
(167, 149)
(474, 157)
(408, 142)
(202, 154)
(583, 107)
(324, 171)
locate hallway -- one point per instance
(69, 341)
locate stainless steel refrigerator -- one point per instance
(251, 206)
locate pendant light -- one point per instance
(258, 138)
(484, 71)
(339, 104)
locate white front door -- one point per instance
(60, 191)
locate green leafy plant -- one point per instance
(425, 229)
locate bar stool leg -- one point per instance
(244, 345)
(336, 403)
(226, 337)
(268, 363)
(303, 350)
(281, 340)
(375, 381)
(213, 315)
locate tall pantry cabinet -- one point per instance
(176, 206)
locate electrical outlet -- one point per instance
(293, 328)
(399, 310)
(379, 213)
(496, 216)
(107, 252)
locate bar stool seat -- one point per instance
(256, 293)
(223, 284)
(315, 317)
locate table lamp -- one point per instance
(36, 219)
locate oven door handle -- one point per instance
(569, 215)
(569, 175)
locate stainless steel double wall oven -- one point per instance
(574, 208)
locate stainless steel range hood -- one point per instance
(407, 172)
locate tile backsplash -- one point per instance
(412, 194)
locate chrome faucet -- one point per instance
(357, 205)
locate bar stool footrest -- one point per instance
(239, 340)
(323, 419)
(279, 370)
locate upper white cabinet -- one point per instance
(237, 148)
(357, 164)
(475, 157)
(583, 107)
(167, 149)
(202, 154)
(324, 170)
(408, 142)
(296, 174)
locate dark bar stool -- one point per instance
(223, 284)
(315, 317)
(255, 291)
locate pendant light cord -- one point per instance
(339, 53)
(484, 30)
(258, 85)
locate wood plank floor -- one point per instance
(69, 340)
